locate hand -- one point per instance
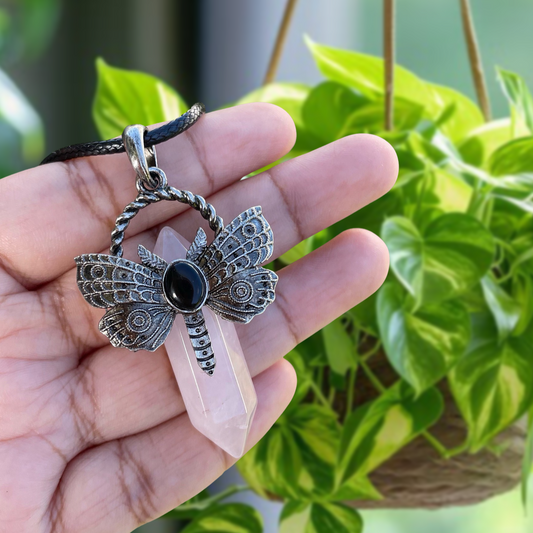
(96, 439)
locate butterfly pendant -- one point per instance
(142, 300)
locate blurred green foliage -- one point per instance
(126, 97)
(26, 28)
(457, 304)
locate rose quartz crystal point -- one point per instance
(220, 406)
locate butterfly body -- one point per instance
(142, 300)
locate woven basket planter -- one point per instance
(417, 477)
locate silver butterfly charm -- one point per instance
(142, 300)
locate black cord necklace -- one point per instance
(116, 146)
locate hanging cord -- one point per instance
(147, 193)
(116, 146)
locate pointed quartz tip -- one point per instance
(220, 406)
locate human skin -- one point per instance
(96, 439)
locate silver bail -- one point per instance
(141, 158)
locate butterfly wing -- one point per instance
(245, 243)
(239, 288)
(138, 316)
(137, 326)
(244, 295)
(107, 281)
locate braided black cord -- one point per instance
(116, 146)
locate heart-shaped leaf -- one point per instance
(377, 430)
(422, 345)
(365, 73)
(126, 97)
(493, 382)
(448, 258)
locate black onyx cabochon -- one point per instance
(184, 286)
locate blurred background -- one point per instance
(215, 51)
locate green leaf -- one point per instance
(365, 73)
(327, 107)
(493, 382)
(297, 252)
(295, 459)
(354, 489)
(464, 116)
(198, 504)
(303, 374)
(504, 309)
(371, 217)
(423, 345)
(480, 143)
(376, 431)
(126, 97)
(288, 96)
(298, 517)
(291, 98)
(305, 247)
(452, 255)
(522, 292)
(451, 192)
(17, 112)
(228, 518)
(340, 349)
(515, 89)
(513, 157)
(364, 315)
(371, 117)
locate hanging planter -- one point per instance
(419, 477)
(419, 396)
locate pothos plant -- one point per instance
(457, 304)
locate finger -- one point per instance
(123, 484)
(314, 291)
(51, 214)
(299, 198)
(302, 196)
(120, 393)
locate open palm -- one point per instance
(96, 439)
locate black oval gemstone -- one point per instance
(184, 286)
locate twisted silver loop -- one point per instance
(147, 197)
